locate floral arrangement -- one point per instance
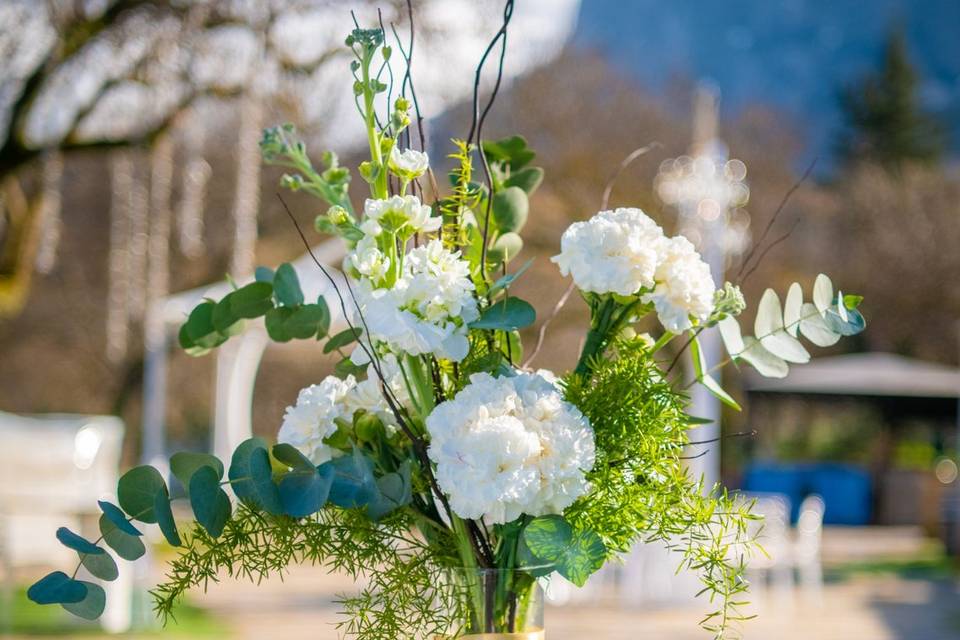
(435, 467)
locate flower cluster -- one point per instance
(403, 215)
(509, 446)
(624, 252)
(427, 309)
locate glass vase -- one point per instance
(496, 604)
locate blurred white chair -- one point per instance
(53, 469)
(771, 572)
(807, 546)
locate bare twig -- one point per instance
(626, 162)
(546, 323)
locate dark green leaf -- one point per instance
(101, 565)
(346, 367)
(353, 481)
(510, 209)
(137, 492)
(129, 547)
(305, 489)
(224, 321)
(198, 335)
(116, 516)
(527, 179)
(252, 300)
(306, 321)
(210, 503)
(512, 151)
(92, 604)
(57, 588)
(292, 457)
(576, 554)
(394, 490)
(78, 543)
(184, 464)
(286, 286)
(342, 339)
(251, 476)
(168, 526)
(509, 314)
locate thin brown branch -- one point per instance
(626, 162)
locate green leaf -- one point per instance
(507, 280)
(508, 314)
(704, 378)
(346, 367)
(224, 321)
(576, 554)
(129, 547)
(851, 301)
(92, 605)
(353, 482)
(822, 293)
(57, 588)
(198, 335)
(292, 457)
(78, 543)
(305, 321)
(394, 491)
(168, 526)
(263, 274)
(763, 361)
(184, 464)
(116, 516)
(512, 151)
(527, 179)
(792, 309)
(510, 209)
(814, 328)
(102, 565)
(342, 339)
(210, 504)
(252, 300)
(251, 476)
(286, 286)
(137, 492)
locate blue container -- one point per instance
(845, 489)
(771, 477)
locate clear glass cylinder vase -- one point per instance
(496, 604)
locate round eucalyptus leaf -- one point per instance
(263, 274)
(115, 515)
(527, 179)
(252, 300)
(792, 307)
(224, 321)
(304, 491)
(251, 476)
(576, 554)
(302, 322)
(510, 209)
(184, 464)
(815, 329)
(286, 286)
(57, 588)
(168, 526)
(822, 293)
(127, 546)
(137, 492)
(92, 605)
(766, 364)
(210, 503)
(101, 565)
(508, 314)
(342, 339)
(506, 248)
(78, 543)
(853, 324)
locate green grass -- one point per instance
(25, 618)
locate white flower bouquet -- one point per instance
(435, 466)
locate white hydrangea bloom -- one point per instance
(612, 252)
(510, 446)
(429, 307)
(400, 212)
(311, 419)
(685, 287)
(409, 163)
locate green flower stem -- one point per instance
(379, 185)
(421, 383)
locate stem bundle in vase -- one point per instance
(449, 480)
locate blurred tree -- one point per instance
(885, 122)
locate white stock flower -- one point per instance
(409, 163)
(612, 252)
(311, 419)
(429, 307)
(510, 446)
(368, 260)
(398, 212)
(685, 287)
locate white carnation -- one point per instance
(510, 446)
(685, 287)
(367, 395)
(612, 252)
(400, 213)
(307, 423)
(409, 163)
(429, 307)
